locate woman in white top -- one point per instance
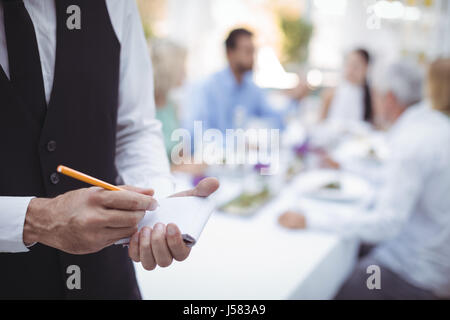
(351, 100)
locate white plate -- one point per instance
(352, 187)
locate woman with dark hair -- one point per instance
(351, 100)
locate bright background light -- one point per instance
(336, 7)
(270, 73)
(412, 13)
(314, 78)
(419, 29)
(389, 9)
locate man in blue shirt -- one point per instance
(229, 98)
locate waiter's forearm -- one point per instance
(36, 221)
(79, 222)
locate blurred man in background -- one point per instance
(229, 98)
(411, 219)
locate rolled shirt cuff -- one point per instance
(12, 220)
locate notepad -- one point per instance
(190, 214)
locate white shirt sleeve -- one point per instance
(12, 219)
(141, 158)
(404, 177)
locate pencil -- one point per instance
(85, 178)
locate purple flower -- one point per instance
(302, 149)
(260, 166)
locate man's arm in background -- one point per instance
(404, 182)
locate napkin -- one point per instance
(190, 214)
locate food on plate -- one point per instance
(247, 203)
(335, 185)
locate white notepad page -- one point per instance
(190, 214)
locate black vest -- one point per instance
(79, 131)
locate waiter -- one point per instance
(76, 89)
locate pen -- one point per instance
(85, 178)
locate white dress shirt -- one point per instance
(140, 154)
(411, 217)
(347, 103)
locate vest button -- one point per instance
(54, 178)
(51, 146)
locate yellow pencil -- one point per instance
(85, 178)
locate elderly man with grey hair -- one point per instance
(410, 221)
(399, 86)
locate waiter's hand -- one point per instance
(86, 220)
(162, 244)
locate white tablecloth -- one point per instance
(255, 258)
